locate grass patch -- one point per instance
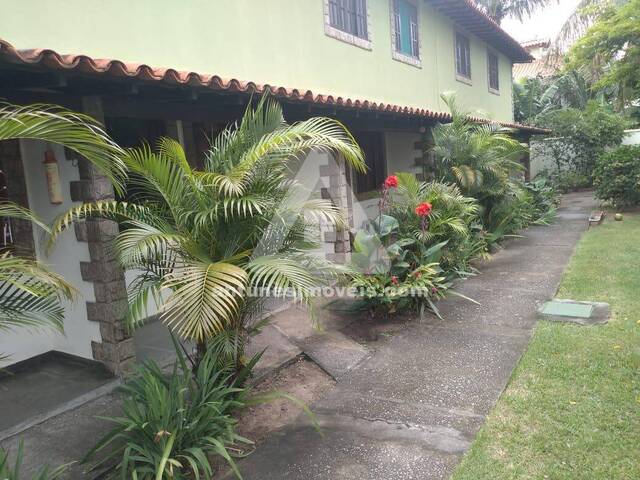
(572, 407)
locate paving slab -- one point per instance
(278, 350)
(334, 352)
(412, 409)
(350, 449)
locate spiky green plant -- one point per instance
(201, 239)
(172, 423)
(13, 470)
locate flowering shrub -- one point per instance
(399, 262)
(386, 294)
(391, 182)
(433, 213)
(423, 210)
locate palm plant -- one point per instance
(479, 158)
(202, 240)
(583, 16)
(75, 131)
(482, 160)
(31, 295)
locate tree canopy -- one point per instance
(610, 50)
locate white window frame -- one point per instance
(415, 61)
(333, 32)
(490, 51)
(459, 77)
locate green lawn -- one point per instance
(572, 407)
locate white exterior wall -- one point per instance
(539, 159)
(401, 155)
(64, 259)
(631, 137)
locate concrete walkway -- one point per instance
(413, 408)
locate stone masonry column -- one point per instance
(338, 192)
(116, 349)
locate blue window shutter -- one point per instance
(406, 23)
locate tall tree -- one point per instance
(610, 51)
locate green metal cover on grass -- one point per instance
(565, 309)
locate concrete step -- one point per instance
(334, 352)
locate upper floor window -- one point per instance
(405, 21)
(350, 16)
(493, 72)
(463, 56)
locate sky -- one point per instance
(545, 23)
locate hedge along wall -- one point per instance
(542, 159)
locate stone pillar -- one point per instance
(116, 350)
(339, 193)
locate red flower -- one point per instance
(424, 209)
(418, 274)
(394, 280)
(391, 182)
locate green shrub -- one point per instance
(450, 221)
(544, 198)
(171, 424)
(569, 181)
(617, 176)
(12, 471)
(580, 136)
(398, 264)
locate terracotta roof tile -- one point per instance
(469, 15)
(115, 68)
(537, 68)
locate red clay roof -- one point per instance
(538, 68)
(469, 15)
(529, 44)
(115, 68)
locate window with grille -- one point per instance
(463, 56)
(350, 16)
(494, 73)
(405, 16)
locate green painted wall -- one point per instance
(280, 42)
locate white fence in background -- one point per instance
(632, 137)
(542, 159)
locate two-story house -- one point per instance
(186, 69)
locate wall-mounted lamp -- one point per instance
(53, 177)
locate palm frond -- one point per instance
(76, 131)
(30, 294)
(203, 299)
